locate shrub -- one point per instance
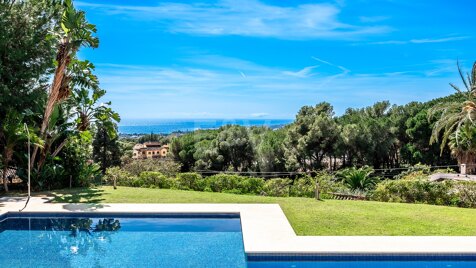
(123, 178)
(328, 184)
(156, 180)
(224, 182)
(190, 181)
(466, 192)
(136, 167)
(420, 172)
(304, 187)
(415, 191)
(252, 185)
(277, 187)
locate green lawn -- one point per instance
(308, 216)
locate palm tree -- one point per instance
(454, 116)
(85, 109)
(463, 145)
(75, 33)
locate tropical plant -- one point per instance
(358, 179)
(462, 144)
(455, 115)
(75, 32)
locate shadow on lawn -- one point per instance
(81, 195)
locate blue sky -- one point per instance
(266, 59)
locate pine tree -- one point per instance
(106, 150)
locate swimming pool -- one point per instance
(121, 240)
(166, 240)
(361, 261)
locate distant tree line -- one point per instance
(380, 136)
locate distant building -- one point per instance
(150, 149)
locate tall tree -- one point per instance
(74, 32)
(106, 150)
(270, 151)
(312, 136)
(235, 145)
(26, 52)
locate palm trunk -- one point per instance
(63, 61)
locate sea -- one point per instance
(168, 126)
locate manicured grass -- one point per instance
(308, 216)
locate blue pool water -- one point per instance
(368, 264)
(121, 241)
(164, 240)
(363, 261)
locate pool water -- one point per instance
(30, 240)
(365, 264)
(164, 240)
(361, 261)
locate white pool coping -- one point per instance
(267, 230)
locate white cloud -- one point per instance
(304, 72)
(438, 40)
(246, 18)
(208, 91)
(420, 41)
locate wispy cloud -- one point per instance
(342, 68)
(420, 41)
(223, 92)
(438, 40)
(246, 18)
(304, 72)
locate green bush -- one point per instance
(156, 180)
(420, 172)
(329, 184)
(224, 182)
(415, 191)
(277, 187)
(123, 178)
(303, 187)
(306, 186)
(136, 167)
(466, 192)
(251, 186)
(190, 181)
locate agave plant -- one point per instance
(358, 179)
